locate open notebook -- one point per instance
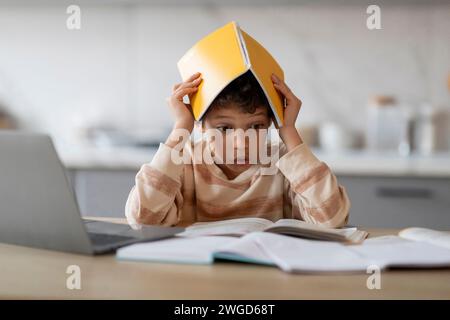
(292, 254)
(292, 227)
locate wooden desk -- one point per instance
(40, 274)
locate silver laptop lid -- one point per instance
(37, 206)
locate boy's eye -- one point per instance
(223, 128)
(257, 126)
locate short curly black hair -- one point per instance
(245, 92)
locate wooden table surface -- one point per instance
(40, 274)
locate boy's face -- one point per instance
(232, 117)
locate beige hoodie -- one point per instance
(179, 194)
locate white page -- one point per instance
(438, 238)
(247, 248)
(301, 255)
(395, 251)
(293, 254)
(236, 227)
(308, 226)
(198, 250)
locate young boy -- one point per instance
(172, 193)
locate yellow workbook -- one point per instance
(221, 57)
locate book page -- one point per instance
(235, 227)
(295, 223)
(300, 255)
(438, 238)
(394, 251)
(309, 256)
(197, 250)
(243, 46)
(244, 250)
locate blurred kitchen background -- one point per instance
(376, 103)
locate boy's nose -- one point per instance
(240, 141)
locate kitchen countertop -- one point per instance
(355, 162)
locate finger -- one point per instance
(180, 93)
(191, 84)
(275, 78)
(282, 89)
(287, 93)
(193, 77)
(185, 90)
(279, 82)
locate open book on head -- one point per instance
(221, 57)
(291, 227)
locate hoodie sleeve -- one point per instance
(312, 189)
(156, 199)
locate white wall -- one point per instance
(122, 63)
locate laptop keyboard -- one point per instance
(101, 239)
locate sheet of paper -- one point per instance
(394, 251)
(300, 255)
(198, 250)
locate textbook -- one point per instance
(221, 57)
(291, 227)
(291, 254)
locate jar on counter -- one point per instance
(384, 124)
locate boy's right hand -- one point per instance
(184, 118)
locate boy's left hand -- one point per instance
(288, 132)
(293, 104)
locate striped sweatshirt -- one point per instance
(178, 194)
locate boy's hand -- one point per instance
(184, 118)
(288, 132)
(293, 104)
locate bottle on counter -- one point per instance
(431, 129)
(406, 144)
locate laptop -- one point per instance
(38, 207)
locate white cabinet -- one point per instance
(102, 192)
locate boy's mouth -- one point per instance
(241, 159)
